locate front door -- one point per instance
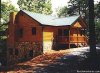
(47, 41)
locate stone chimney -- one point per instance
(11, 30)
(12, 17)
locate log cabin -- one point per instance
(31, 34)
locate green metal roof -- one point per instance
(51, 20)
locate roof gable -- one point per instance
(77, 24)
(51, 20)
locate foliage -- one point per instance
(97, 21)
(97, 31)
(38, 6)
(97, 11)
(62, 12)
(78, 7)
(6, 8)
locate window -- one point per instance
(11, 51)
(16, 52)
(33, 30)
(66, 32)
(59, 32)
(20, 32)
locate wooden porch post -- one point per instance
(84, 37)
(69, 38)
(77, 36)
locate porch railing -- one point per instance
(72, 39)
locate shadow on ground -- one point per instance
(73, 64)
(66, 63)
(16, 68)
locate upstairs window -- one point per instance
(33, 30)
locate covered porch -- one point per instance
(64, 38)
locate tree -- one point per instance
(97, 27)
(78, 7)
(6, 8)
(97, 21)
(62, 12)
(97, 11)
(92, 38)
(38, 6)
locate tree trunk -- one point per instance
(92, 38)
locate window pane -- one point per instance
(34, 30)
(66, 32)
(20, 32)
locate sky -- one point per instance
(55, 3)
